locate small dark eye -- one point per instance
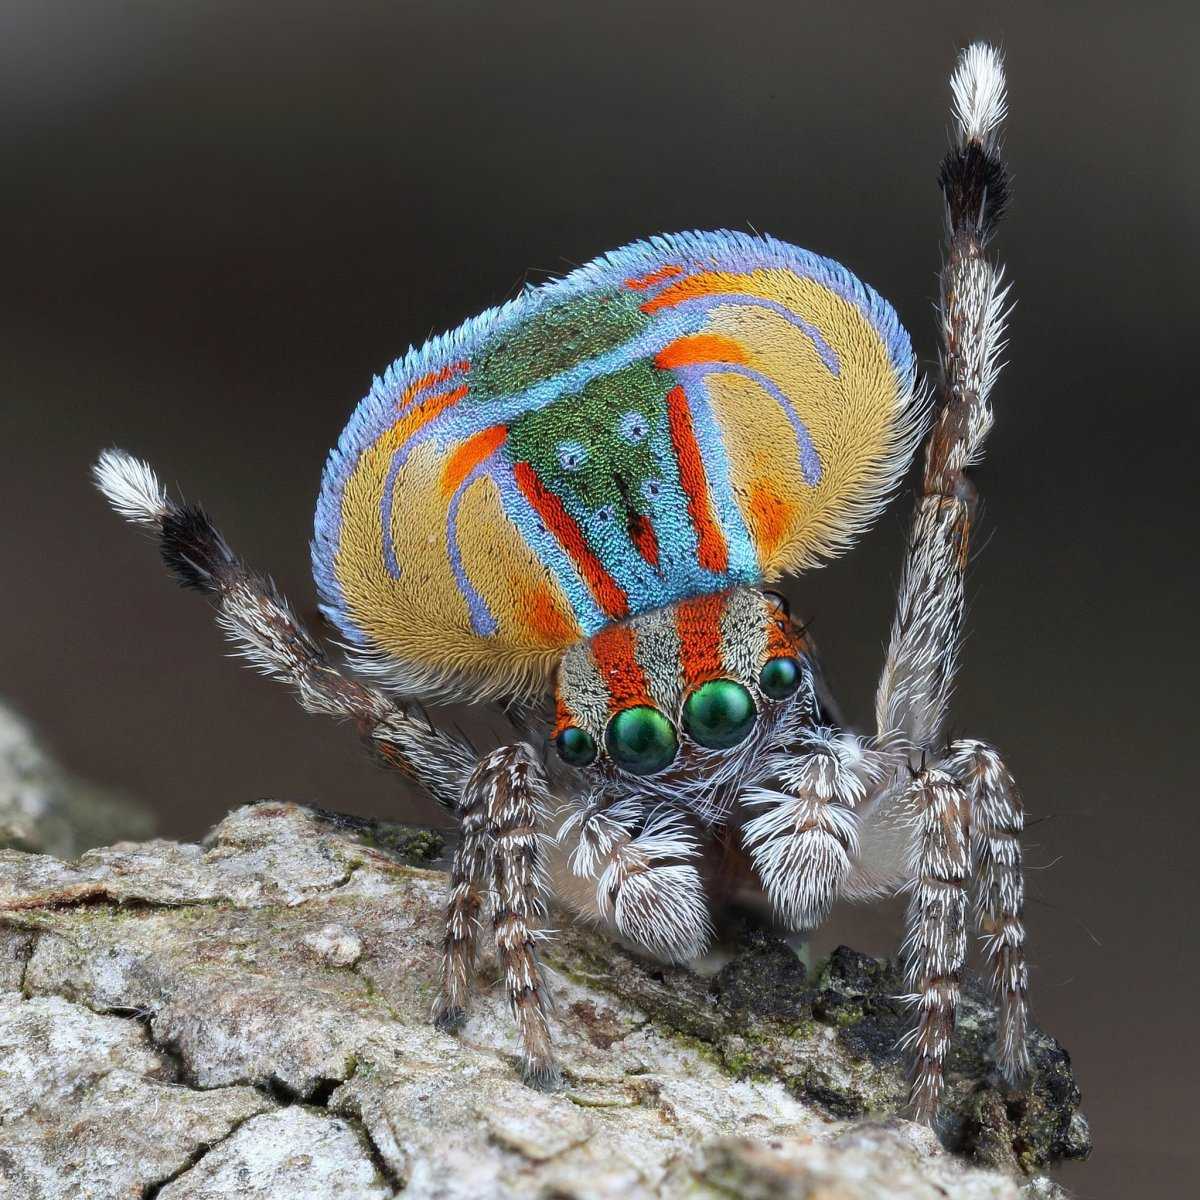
(719, 714)
(777, 604)
(576, 746)
(641, 740)
(779, 678)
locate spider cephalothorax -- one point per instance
(583, 495)
(682, 692)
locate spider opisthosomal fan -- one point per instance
(582, 495)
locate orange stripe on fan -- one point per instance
(711, 552)
(699, 623)
(708, 283)
(420, 415)
(640, 283)
(644, 539)
(469, 455)
(700, 348)
(609, 596)
(429, 380)
(614, 651)
(543, 617)
(769, 516)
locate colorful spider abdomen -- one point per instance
(679, 418)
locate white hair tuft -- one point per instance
(980, 99)
(131, 487)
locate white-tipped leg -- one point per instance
(979, 91)
(803, 841)
(499, 858)
(130, 485)
(922, 658)
(936, 946)
(265, 632)
(996, 824)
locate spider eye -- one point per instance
(641, 740)
(719, 714)
(576, 746)
(780, 677)
(777, 604)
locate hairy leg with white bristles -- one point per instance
(803, 841)
(997, 820)
(918, 675)
(935, 948)
(499, 801)
(931, 818)
(258, 620)
(499, 864)
(516, 806)
(470, 889)
(640, 857)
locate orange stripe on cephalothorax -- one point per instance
(563, 716)
(420, 415)
(712, 552)
(640, 283)
(708, 283)
(699, 624)
(784, 637)
(614, 651)
(608, 594)
(781, 638)
(469, 455)
(700, 348)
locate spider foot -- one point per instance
(449, 1019)
(542, 1074)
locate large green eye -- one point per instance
(780, 677)
(641, 740)
(719, 714)
(575, 746)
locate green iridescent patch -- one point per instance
(554, 340)
(597, 448)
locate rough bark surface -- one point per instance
(249, 1018)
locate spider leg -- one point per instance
(997, 820)
(260, 623)
(936, 946)
(499, 800)
(805, 838)
(470, 876)
(907, 841)
(918, 674)
(502, 812)
(920, 834)
(641, 856)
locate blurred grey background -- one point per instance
(219, 219)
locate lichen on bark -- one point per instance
(266, 996)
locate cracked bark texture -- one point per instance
(249, 1018)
